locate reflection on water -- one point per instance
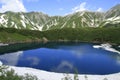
(12, 58)
(64, 66)
(66, 57)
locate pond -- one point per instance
(70, 57)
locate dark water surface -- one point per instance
(62, 57)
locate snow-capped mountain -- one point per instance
(32, 21)
(40, 21)
(112, 16)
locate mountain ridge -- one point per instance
(41, 21)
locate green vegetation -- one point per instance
(111, 35)
(11, 35)
(11, 75)
(68, 77)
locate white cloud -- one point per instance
(81, 7)
(12, 5)
(99, 9)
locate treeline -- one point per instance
(111, 35)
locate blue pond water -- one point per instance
(66, 57)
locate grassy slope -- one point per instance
(67, 34)
(10, 35)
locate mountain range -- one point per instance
(41, 21)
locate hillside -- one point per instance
(41, 21)
(11, 35)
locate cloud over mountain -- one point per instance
(12, 5)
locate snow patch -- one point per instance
(55, 23)
(2, 44)
(26, 20)
(16, 26)
(23, 23)
(113, 20)
(48, 27)
(32, 23)
(3, 20)
(82, 13)
(12, 24)
(44, 75)
(73, 24)
(37, 27)
(23, 17)
(40, 27)
(64, 25)
(107, 47)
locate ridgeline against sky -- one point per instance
(56, 7)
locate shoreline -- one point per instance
(41, 41)
(45, 75)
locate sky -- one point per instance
(56, 7)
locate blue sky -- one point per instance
(56, 7)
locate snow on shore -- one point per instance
(107, 47)
(44, 75)
(119, 46)
(2, 44)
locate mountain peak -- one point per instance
(113, 12)
(117, 6)
(41, 21)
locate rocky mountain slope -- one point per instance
(40, 21)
